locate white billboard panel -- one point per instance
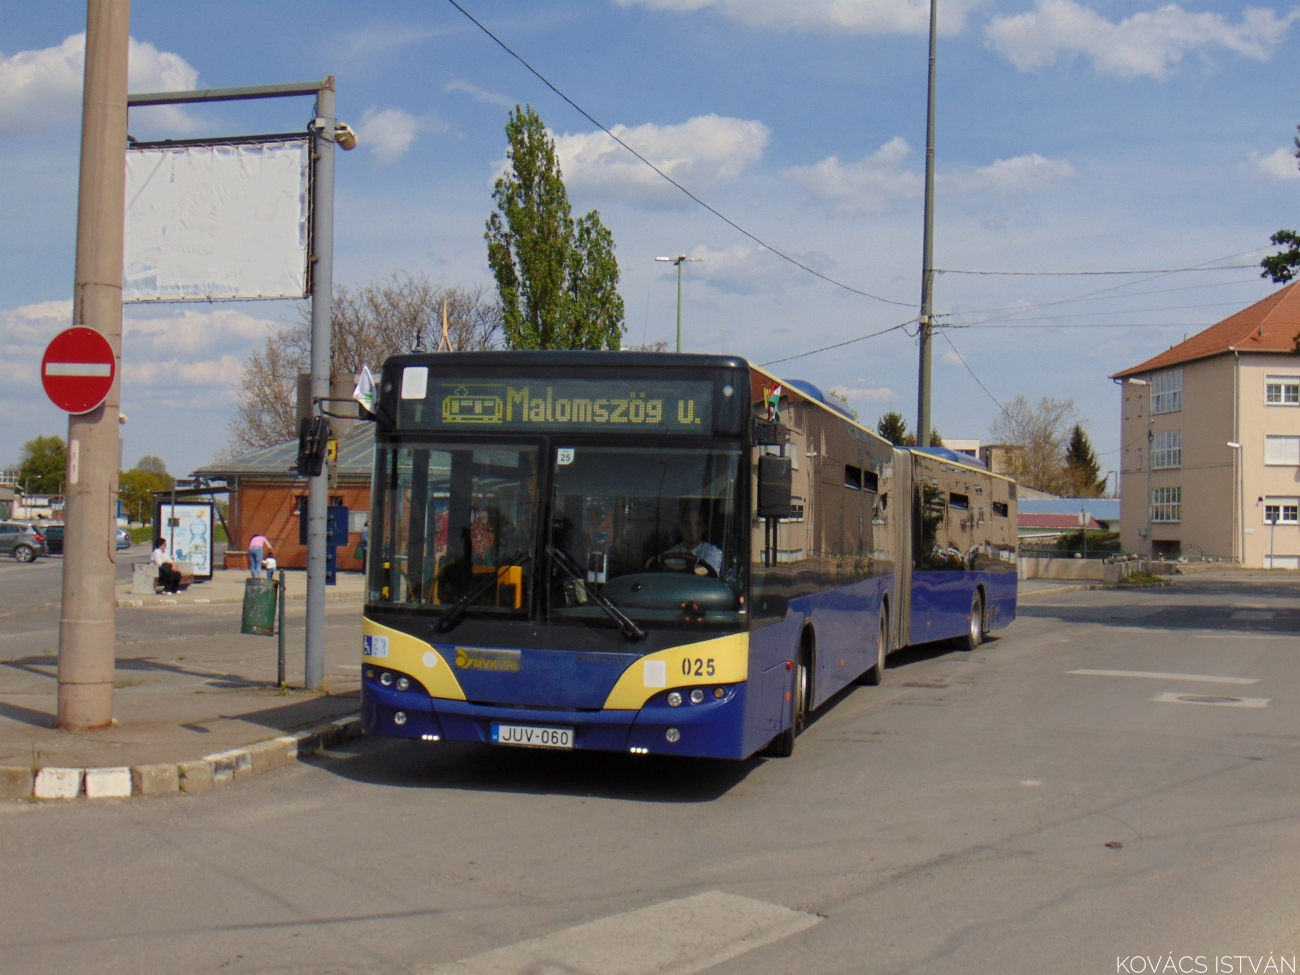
(216, 222)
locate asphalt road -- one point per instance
(986, 812)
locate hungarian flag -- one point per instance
(774, 404)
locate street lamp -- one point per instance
(679, 260)
(1271, 521)
(1151, 544)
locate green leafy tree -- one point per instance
(136, 488)
(557, 278)
(893, 428)
(1282, 266)
(1082, 472)
(151, 464)
(44, 465)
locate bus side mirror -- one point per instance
(774, 484)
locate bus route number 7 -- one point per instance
(698, 667)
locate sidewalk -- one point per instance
(195, 702)
(227, 586)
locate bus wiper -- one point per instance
(453, 615)
(629, 629)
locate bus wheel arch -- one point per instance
(782, 746)
(875, 674)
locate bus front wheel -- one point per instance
(975, 631)
(782, 746)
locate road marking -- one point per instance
(1154, 675)
(673, 938)
(1171, 697)
(1259, 615)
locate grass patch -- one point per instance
(1142, 579)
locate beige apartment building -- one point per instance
(1211, 441)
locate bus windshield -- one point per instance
(452, 515)
(657, 531)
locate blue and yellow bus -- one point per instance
(653, 553)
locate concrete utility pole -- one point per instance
(925, 319)
(322, 286)
(87, 627)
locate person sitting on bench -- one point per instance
(168, 576)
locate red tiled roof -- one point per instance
(1271, 325)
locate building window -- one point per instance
(1167, 391)
(1282, 390)
(1167, 450)
(1282, 451)
(1282, 511)
(1167, 504)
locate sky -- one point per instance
(1071, 136)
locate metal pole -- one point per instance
(87, 628)
(322, 286)
(279, 663)
(925, 319)
(1151, 542)
(1272, 532)
(680, 260)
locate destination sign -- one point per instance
(631, 406)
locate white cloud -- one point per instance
(1010, 177)
(479, 94)
(1281, 163)
(879, 180)
(1148, 44)
(831, 16)
(868, 186)
(43, 87)
(743, 270)
(389, 133)
(165, 353)
(866, 394)
(699, 153)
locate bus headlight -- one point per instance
(697, 696)
(719, 692)
(673, 736)
(674, 699)
(386, 679)
(403, 683)
(399, 718)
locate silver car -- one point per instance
(24, 542)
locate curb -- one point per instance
(199, 775)
(1021, 596)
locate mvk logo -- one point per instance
(501, 661)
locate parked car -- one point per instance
(22, 541)
(54, 538)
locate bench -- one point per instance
(144, 577)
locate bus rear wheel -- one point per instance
(876, 675)
(782, 746)
(975, 631)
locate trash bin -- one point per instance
(259, 607)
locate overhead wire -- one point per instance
(977, 379)
(717, 213)
(1085, 274)
(826, 348)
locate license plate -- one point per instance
(532, 737)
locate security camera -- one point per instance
(344, 137)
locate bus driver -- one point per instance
(692, 552)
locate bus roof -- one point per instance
(562, 358)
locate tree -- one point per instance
(1282, 267)
(843, 401)
(136, 487)
(1081, 468)
(1040, 431)
(151, 465)
(557, 279)
(893, 428)
(44, 465)
(368, 325)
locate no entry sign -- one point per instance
(77, 369)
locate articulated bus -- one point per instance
(653, 553)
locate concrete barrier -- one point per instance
(1078, 570)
